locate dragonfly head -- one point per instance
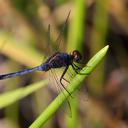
(76, 56)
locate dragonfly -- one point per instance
(57, 60)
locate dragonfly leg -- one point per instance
(64, 79)
(80, 63)
(76, 70)
(77, 66)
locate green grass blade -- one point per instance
(76, 27)
(13, 96)
(75, 83)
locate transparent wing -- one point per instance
(50, 47)
(59, 38)
(57, 87)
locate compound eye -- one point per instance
(77, 56)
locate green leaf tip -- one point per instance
(96, 59)
(89, 67)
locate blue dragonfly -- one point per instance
(57, 60)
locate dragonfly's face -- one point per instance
(76, 56)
